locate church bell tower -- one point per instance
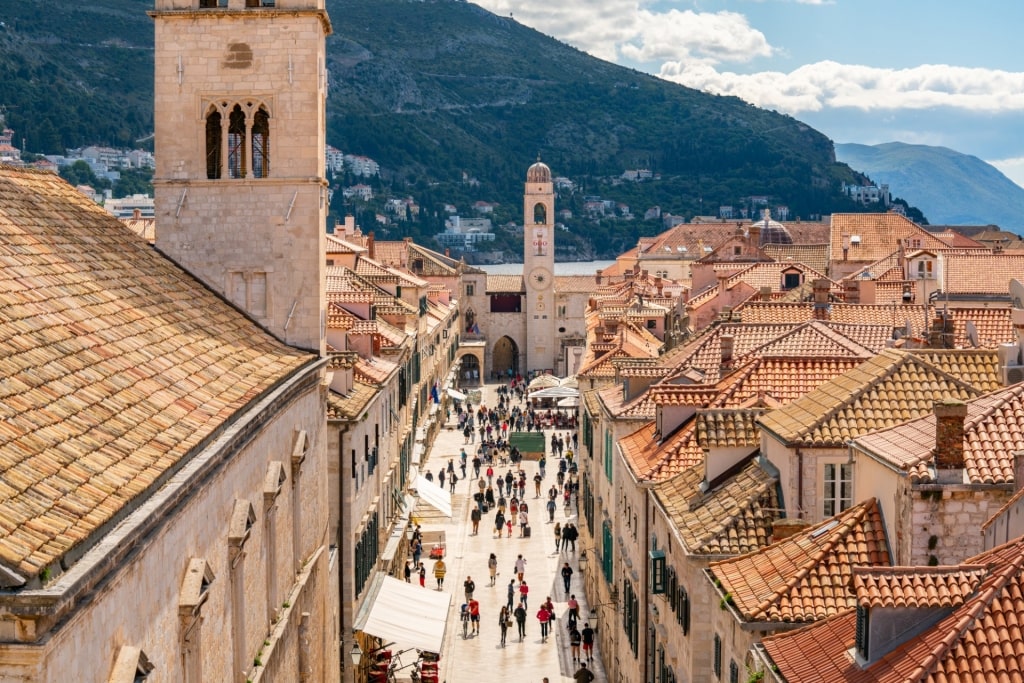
(539, 267)
(240, 185)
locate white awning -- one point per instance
(398, 532)
(404, 613)
(556, 392)
(457, 395)
(433, 494)
(570, 402)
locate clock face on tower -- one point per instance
(540, 277)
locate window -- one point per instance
(540, 214)
(131, 666)
(213, 145)
(651, 324)
(924, 270)
(261, 144)
(470, 288)
(631, 616)
(195, 589)
(657, 571)
(790, 280)
(838, 493)
(737, 250)
(608, 454)
(236, 143)
(367, 552)
(606, 551)
(734, 672)
(683, 610)
(717, 657)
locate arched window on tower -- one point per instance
(540, 214)
(213, 144)
(236, 143)
(261, 144)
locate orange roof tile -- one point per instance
(728, 428)
(981, 273)
(807, 576)
(505, 284)
(979, 640)
(993, 432)
(890, 388)
(813, 256)
(736, 517)
(880, 234)
(115, 364)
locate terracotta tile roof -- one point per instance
(338, 318)
(955, 239)
(890, 388)
(143, 227)
(339, 245)
(979, 640)
(758, 275)
(575, 283)
(880, 234)
(916, 586)
(776, 313)
(734, 518)
(994, 326)
(977, 367)
(505, 284)
(813, 256)
(728, 428)
(374, 370)
(807, 576)
(115, 365)
(981, 273)
(781, 379)
(653, 460)
(993, 432)
(351, 406)
(638, 408)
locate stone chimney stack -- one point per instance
(786, 527)
(658, 285)
(722, 276)
(136, 213)
(597, 277)
(821, 306)
(766, 293)
(754, 237)
(950, 415)
(726, 341)
(369, 245)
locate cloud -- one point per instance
(623, 29)
(828, 84)
(1011, 168)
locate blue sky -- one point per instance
(937, 73)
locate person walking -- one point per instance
(544, 617)
(520, 567)
(474, 517)
(558, 536)
(575, 638)
(499, 521)
(524, 593)
(440, 478)
(524, 521)
(520, 614)
(566, 576)
(452, 479)
(588, 642)
(513, 507)
(474, 616)
(439, 572)
(423, 575)
(574, 610)
(408, 572)
(504, 621)
(469, 586)
(511, 594)
(536, 484)
(552, 506)
(490, 475)
(583, 674)
(492, 566)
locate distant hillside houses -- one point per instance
(334, 158)
(106, 162)
(868, 194)
(135, 206)
(464, 233)
(360, 191)
(361, 166)
(637, 174)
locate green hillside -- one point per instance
(441, 91)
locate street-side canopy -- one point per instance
(404, 614)
(457, 395)
(434, 495)
(555, 392)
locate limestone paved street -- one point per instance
(481, 657)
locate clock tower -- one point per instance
(539, 267)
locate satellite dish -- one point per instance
(972, 334)
(1017, 293)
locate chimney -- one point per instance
(722, 276)
(369, 244)
(821, 305)
(754, 237)
(766, 293)
(950, 415)
(726, 342)
(597, 277)
(1018, 470)
(136, 213)
(447, 252)
(658, 285)
(866, 291)
(350, 225)
(941, 334)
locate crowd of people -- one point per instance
(497, 487)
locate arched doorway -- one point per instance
(505, 357)
(470, 371)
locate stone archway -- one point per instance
(505, 357)
(471, 364)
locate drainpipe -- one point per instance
(800, 482)
(646, 579)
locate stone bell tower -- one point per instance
(539, 267)
(240, 185)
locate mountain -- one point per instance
(949, 187)
(441, 93)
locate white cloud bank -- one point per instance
(692, 46)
